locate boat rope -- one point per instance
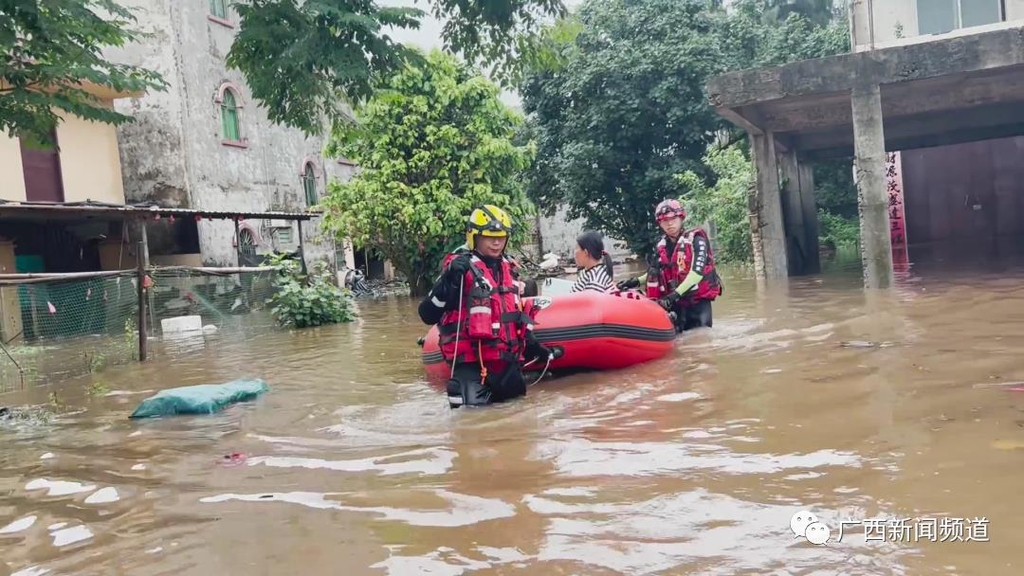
(545, 371)
(462, 286)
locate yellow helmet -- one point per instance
(487, 220)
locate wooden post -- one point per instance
(302, 249)
(142, 259)
(238, 244)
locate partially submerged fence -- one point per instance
(60, 325)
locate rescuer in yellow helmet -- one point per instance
(484, 333)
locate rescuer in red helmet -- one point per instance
(684, 280)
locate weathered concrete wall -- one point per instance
(89, 162)
(12, 176)
(895, 22)
(892, 19)
(188, 162)
(558, 234)
(152, 155)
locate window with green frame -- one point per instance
(229, 116)
(309, 184)
(219, 8)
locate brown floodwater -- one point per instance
(819, 396)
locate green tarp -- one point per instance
(201, 399)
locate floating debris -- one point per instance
(1017, 385)
(866, 344)
(233, 459)
(1008, 444)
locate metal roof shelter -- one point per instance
(138, 214)
(931, 93)
(80, 210)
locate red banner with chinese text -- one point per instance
(897, 215)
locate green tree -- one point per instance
(624, 113)
(820, 12)
(52, 50)
(431, 145)
(725, 203)
(753, 36)
(305, 61)
(625, 110)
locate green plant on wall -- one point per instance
(304, 300)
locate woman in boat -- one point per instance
(596, 270)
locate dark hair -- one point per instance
(592, 243)
(530, 289)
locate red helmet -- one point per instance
(669, 209)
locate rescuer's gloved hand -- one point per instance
(627, 284)
(536, 351)
(457, 269)
(669, 302)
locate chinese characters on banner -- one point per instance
(897, 220)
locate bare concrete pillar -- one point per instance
(869, 174)
(809, 205)
(766, 212)
(800, 214)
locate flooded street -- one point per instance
(820, 397)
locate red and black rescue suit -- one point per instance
(693, 309)
(487, 366)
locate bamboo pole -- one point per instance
(212, 269)
(39, 277)
(143, 264)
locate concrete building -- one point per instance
(557, 234)
(204, 144)
(87, 167)
(83, 166)
(941, 82)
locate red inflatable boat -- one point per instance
(594, 331)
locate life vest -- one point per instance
(676, 266)
(507, 318)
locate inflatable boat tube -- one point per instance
(595, 331)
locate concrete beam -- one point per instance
(973, 135)
(965, 54)
(946, 94)
(767, 229)
(923, 131)
(872, 200)
(737, 118)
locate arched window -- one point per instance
(309, 184)
(246, 242)
(229, 116)
(219, 8)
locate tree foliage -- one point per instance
(306, 61)
(725, 203)
(819, 12)
(623, 111)
(755, 34)
(51, 51)
(624, 114)
(431, 145)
